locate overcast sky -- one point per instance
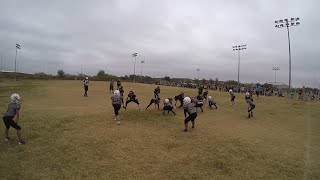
(174, 36)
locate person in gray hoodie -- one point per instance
(13, 111)
(116, 103)
(191, 111)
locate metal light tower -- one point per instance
(134, 67)
(142, 62)
(288, 23)
(275, 69)
(239, 48)
(198, 70)
(15, 61)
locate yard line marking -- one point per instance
(307, 147)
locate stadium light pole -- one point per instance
(142, 62)
(198, 70)
(18, 46)
(288, 23)
(134, 67)
(239, 48)
(275, 69)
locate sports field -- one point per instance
(71, 137)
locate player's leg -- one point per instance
(186, 124)
(18, 128)
(116, 112)
(6, 122)
(137, 102)
(121, 95)
(151, 102)
(193, 118)
(171, 109)
(164, 109)
(7, 133)
(127, 102)
(252, 107)
(87, 88)
(249, 110)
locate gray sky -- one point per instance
(174, 36)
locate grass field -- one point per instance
(74, 137)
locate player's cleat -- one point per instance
(192, 126)
(185, 130)
(22, 142)
(119, 122)
(7, 139)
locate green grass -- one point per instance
(72, 137)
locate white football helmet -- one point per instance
(247, 93)
(209, 97)
(186, 100)
(116, 93)
(166, 100)
(15, 98)
(87, 78)
(230, 91)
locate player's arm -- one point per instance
(17, 115)
(185, 112)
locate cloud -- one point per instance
(174, 37)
